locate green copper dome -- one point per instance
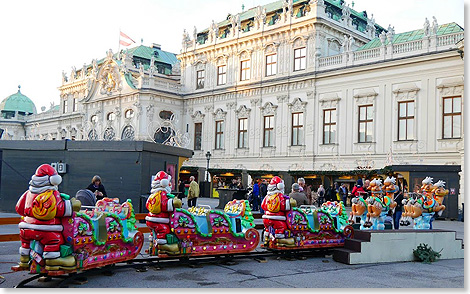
(18, 102)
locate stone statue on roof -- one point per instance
(284, 10)
(426, 27)
(434, 26)
(152, 67)
(84, 71)
(258, 17)
(72, 74)
(291, 7)
(141, 70)
(64, 77)
(195, 33)
(239, 24)
(383, 37)
(390, 34)
(351, 43)
(94, 69)
(345, 44)
(185, 39)
(345, 10)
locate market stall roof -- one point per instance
(384, 170)
(224, 170)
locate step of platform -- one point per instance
(397, 245)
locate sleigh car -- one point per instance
(203, 231)
(95, 236)
(309, 227)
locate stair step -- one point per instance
(342, 255)
(353, 244)
(362, 235)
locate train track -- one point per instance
(142, 264)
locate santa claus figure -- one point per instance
(276, 205)
(43, 208)
(160, 205)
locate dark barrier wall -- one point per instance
(125, 167)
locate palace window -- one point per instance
(452, 118)
(271, 65)
(297, 128)
(219, 134)
(242, 133)
(200, 79)
(245, 70)
(268, 139)
(65, 105)
(111, 116)
(366, 123)
(300, 59)
(406, 118)
(129, 113)
(75, 104)
(221, 75)
(197, 136)
(329, 126)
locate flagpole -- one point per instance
(119, 42)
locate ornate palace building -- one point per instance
(301, 88)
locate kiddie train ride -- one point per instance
(419, 208)
(203, 231)
(58, 238)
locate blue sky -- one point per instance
(40, 39)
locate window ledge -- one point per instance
(364, 143)
(449, 139)
(405, 141)
(330, 144)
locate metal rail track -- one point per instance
(143, 263)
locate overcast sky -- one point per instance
(40, 39)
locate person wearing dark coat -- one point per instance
(97, 187)
(263, 191)
(330, 194)
(398, 197)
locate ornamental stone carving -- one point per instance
(198, 116)
(255, 101)
(268, 109)
(297, 105)
(406, 92)
(220, 114)
(109, 77)
(365, 96)
(243, 112)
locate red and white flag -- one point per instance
(125, 40)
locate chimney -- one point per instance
(156, 46)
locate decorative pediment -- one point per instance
(266, 167)
(220, 114)
(200, 65)
(221, 60)
(245, 54)
(243, 112)
(451, 86)
(198, 116)
(300, 41)
(406, 91)
(329, 100)
(268, 109)
(297, 105)
(365, 96)
(271, 48)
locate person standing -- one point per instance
(398, 209)
(358, 189)
(321, 195)
(299, 197)
(306, 190)
(193, 192)
(255, 194)
(181, 189)
(263, 191)
(97, 188)
(365, 187)
(330, 194)
(344, 193)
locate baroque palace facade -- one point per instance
(302, 87)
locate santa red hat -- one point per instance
(47, 170)
(276, 185)
(161, 181)
(45, 178)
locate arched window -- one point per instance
(93, 135)
(109, 134)
(111, 116)
(94, 119)
(165, 114)
(162, 135)
(128, 134)
(129, 113)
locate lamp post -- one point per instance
(208, 157)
